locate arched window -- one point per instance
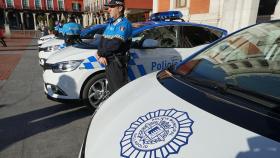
(25, 4)
(61, 4)
(50, 4)
(38, 4)
(10, 3)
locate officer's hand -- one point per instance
(102, 60)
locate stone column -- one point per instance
(47, 14)
(237, 14)
(155, 6)
(22, 21)
(35, 23)
(57, 17)
(101, 19)
(86, 23)
(78, 20)
(6, 17)
(276, 14)
(90, 18)
(97, 20)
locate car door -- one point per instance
(153, 50)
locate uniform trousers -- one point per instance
(116, 75)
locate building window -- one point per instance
(25, 4)
(10, 3)
(50, 4)
(76, 7)
(181, 3)
(38, 4)
(61, 4)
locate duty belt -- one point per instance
(119, 58)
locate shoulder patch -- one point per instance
(157, 134)
(122, 28)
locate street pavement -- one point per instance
(31, 126)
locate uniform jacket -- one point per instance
(116, 38)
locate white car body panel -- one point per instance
(143, 61)
(209, 133)
(46, 38)
(44, 55)
(52, 43)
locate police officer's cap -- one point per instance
(114, 3)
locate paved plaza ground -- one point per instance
(31, 126)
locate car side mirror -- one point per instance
(150, 43)
(97, 36)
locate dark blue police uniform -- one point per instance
(114, 46)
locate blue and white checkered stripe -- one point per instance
(91, 63)
(135, 70)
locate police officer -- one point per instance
(71, 31)
(114, 46)
(58, 29)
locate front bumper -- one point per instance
(61, 85)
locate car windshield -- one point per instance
(247, 62)
(88, 43)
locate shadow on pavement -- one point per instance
(22, 126)
(34, 45)
(18, 49)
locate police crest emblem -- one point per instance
(157, 134)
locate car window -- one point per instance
(166, 36)
(192, 36)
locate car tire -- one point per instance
(95, 91)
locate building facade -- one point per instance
(228, 14)
(136, 10)
(33, 14)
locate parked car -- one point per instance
(52, 46)
(74, 73)
(222, 102)
(45, 39)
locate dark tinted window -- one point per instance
(192, 36)
(178, 36)
(165, 36)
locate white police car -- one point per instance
(74, 72)
(224, 102)
(56, 44)
(45, 39)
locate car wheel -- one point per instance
(95, 91)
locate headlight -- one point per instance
(66, 66)
(53, 48)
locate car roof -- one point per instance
(141, 26)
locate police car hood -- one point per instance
(47, 37)
(71, 53)
(52, 42)
(145, 120)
